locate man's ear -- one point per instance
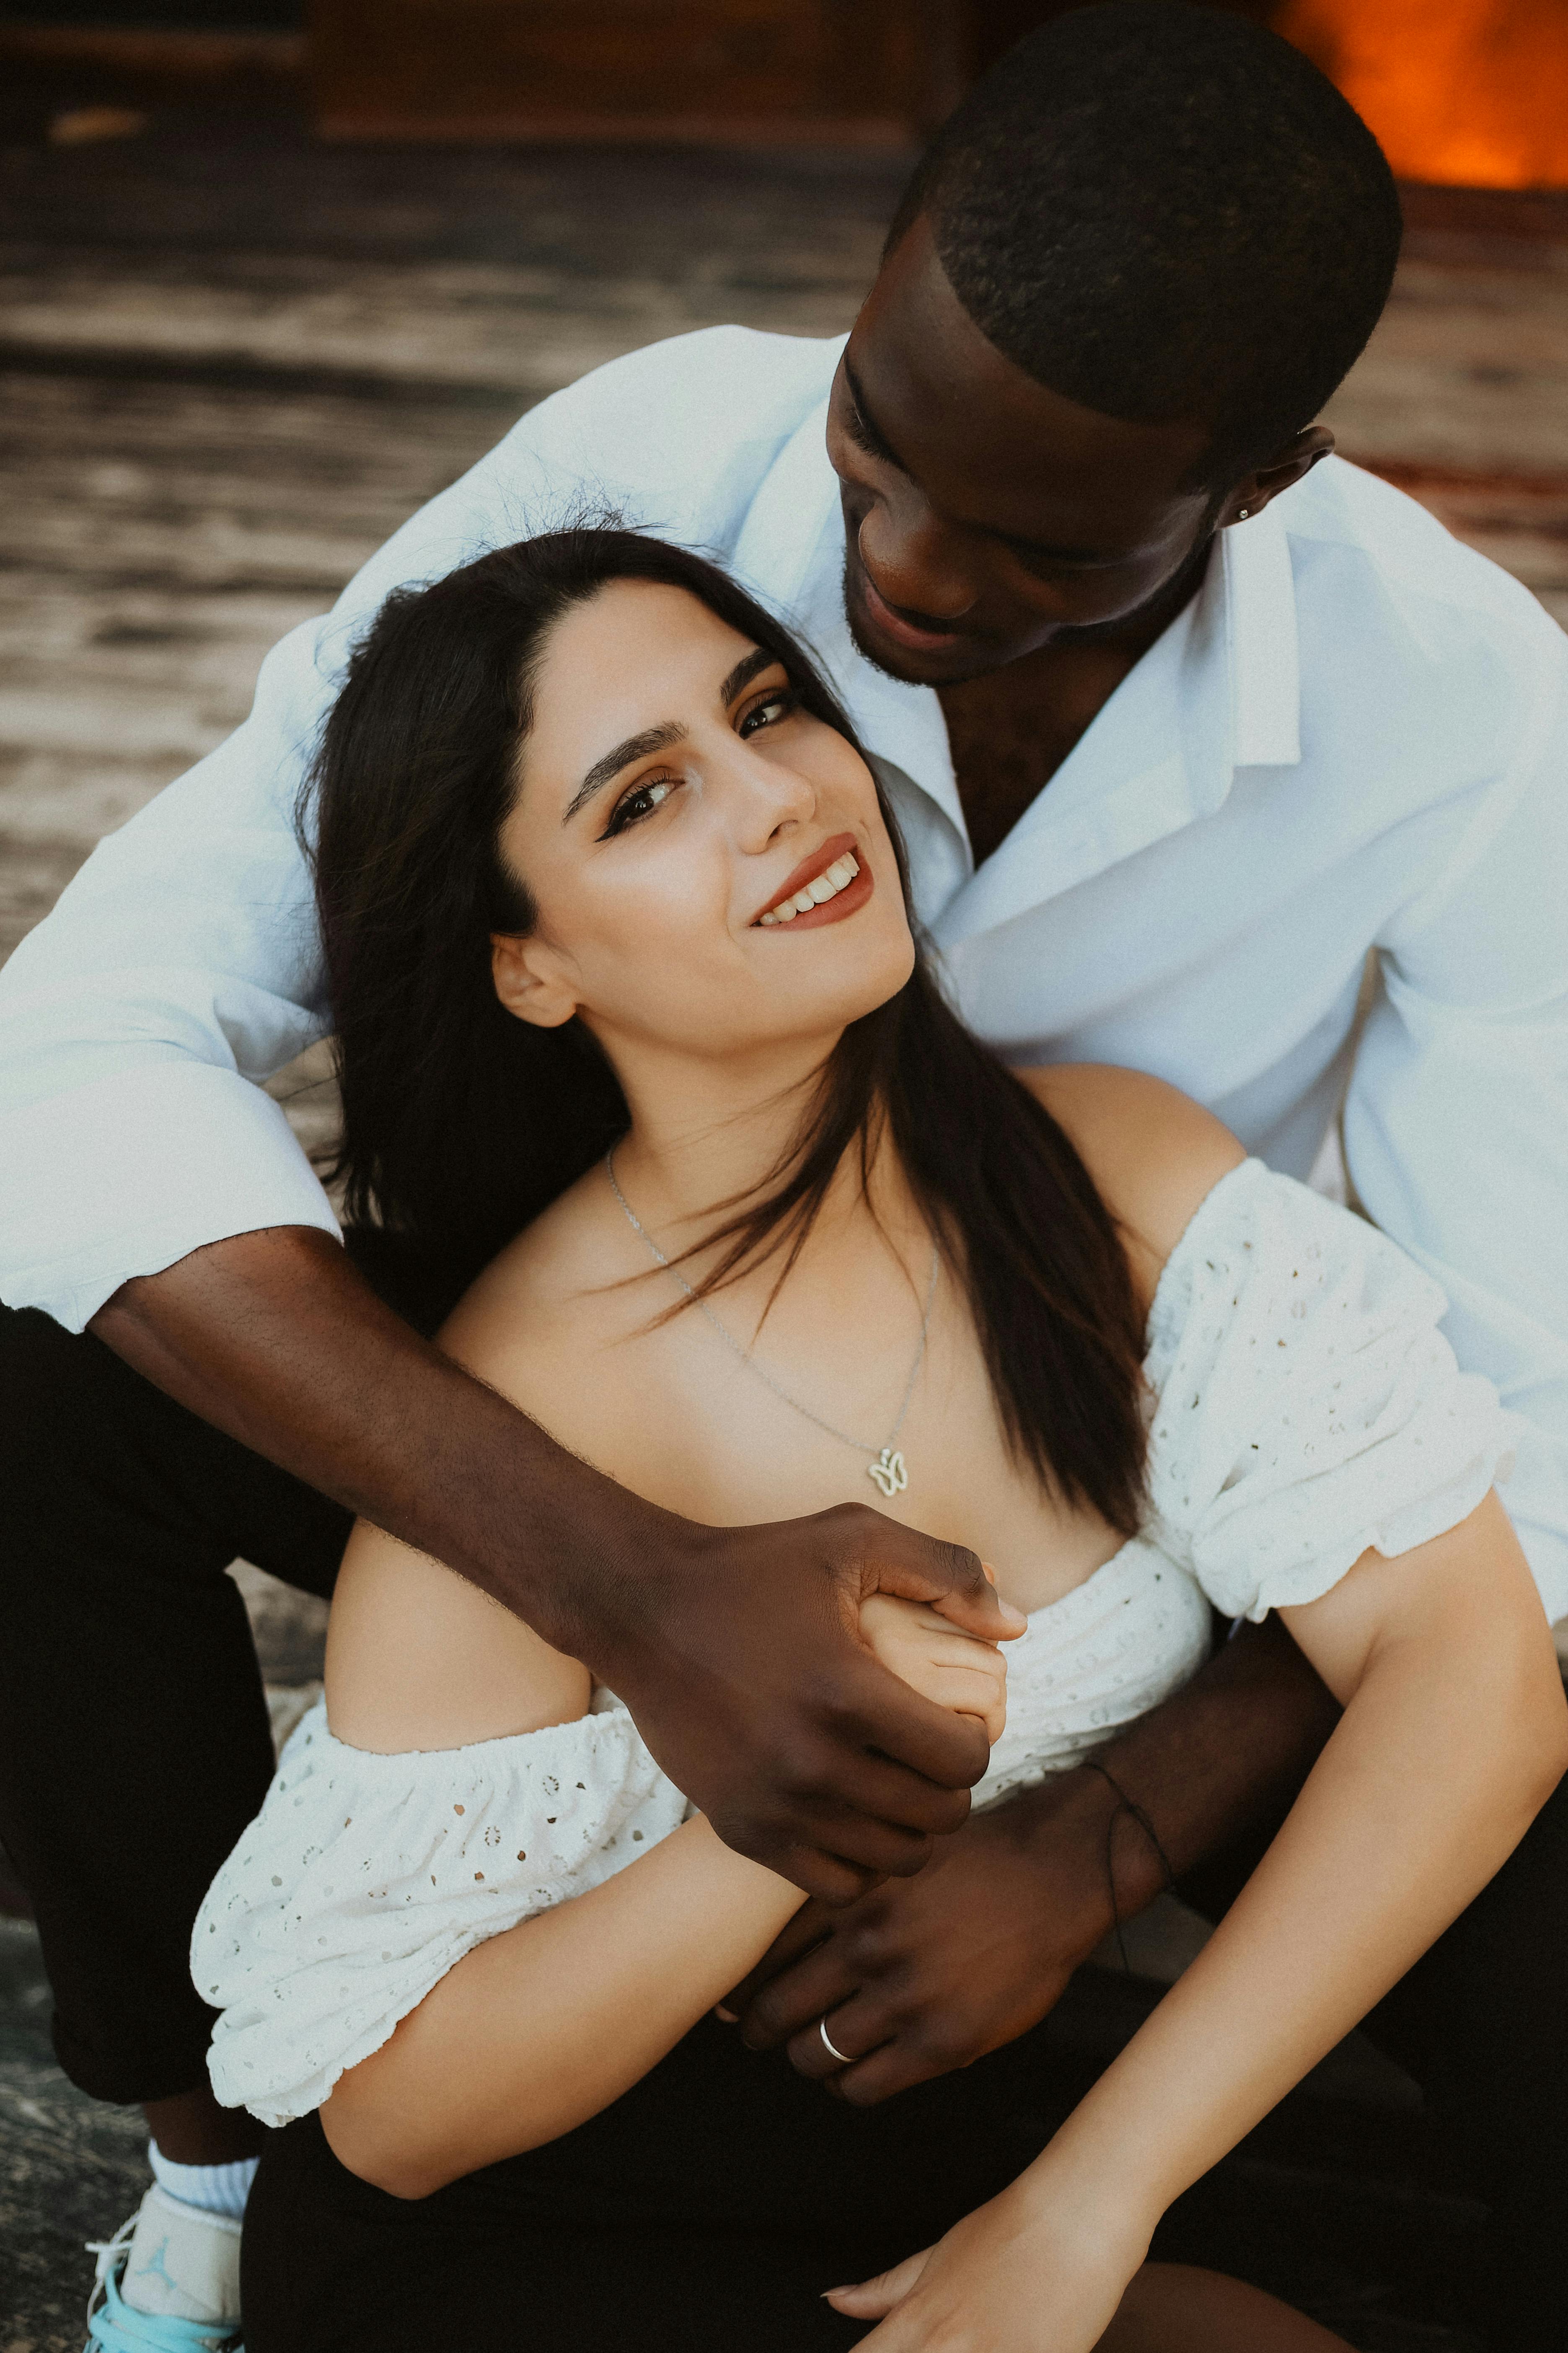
(1288, 465)
(529, 981)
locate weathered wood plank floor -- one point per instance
(231, 363)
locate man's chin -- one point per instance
(967, 658)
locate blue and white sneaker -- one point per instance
(168, 2282)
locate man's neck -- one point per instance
(1010, 730)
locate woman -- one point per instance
(630, 1017)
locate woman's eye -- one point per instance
(770, 710)
(640, 802)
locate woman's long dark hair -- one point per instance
(461, 1122)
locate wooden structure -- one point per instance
(855, 73)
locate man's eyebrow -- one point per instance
(874, 438)
(635, 748)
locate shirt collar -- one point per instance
(1262, 645)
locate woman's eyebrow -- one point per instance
(635, 748)
(668, 732)
(744, 672)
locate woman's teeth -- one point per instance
(827, 886)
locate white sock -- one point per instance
(213, 2188)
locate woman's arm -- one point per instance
(543, 2025)
(1455, 1732)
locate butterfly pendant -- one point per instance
(889, 1473)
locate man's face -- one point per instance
(985, 515)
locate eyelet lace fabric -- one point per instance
(1305, 1409)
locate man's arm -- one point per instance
(738, 1650)
(930, 1974)
(1455, 1123)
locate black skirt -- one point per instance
(706, 2210)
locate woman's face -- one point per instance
(673, 796)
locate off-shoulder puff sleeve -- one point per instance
(1307, 1408)
(365, 1877)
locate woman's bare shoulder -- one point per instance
(417, 1658)
(553, 1284)
(1154, 1153)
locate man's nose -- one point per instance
(916, 562)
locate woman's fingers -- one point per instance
(869, 2299)
(952, 1669)
(971, 1694)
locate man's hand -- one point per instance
(916, 1980)
(737, 1650)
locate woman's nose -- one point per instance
(915, 562)
(773, 795)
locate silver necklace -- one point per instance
(888, 1468)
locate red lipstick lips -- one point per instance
(833, 862)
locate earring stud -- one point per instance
(1242, 513)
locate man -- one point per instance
(1181, 721)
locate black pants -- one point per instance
(704, 2213)
(134, 1748)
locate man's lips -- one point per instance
(852, 894)
(893, 624)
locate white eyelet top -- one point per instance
(1306, 1410)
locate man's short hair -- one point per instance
(1166, 214)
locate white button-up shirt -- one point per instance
(1355, 738)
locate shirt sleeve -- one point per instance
(365, 1878)
(1309, 1410)
(1456, 1119)
(182, 966)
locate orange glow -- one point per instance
(1472, 92)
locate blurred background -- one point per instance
(272, 274)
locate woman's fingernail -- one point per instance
(730, 2017)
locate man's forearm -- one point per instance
(1222, 1755)
(277, 1339)
(735, 1649)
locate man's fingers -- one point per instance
(950, 1750)
(980, 1610)
(895, 2066)
(879, 1850)
(854, 2028)
(826, 1877)
(866, 1785)
(819, 1982)
(833, 1854)
(951, 1578)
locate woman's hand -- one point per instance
(938, 1659)
(1025, 2273)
